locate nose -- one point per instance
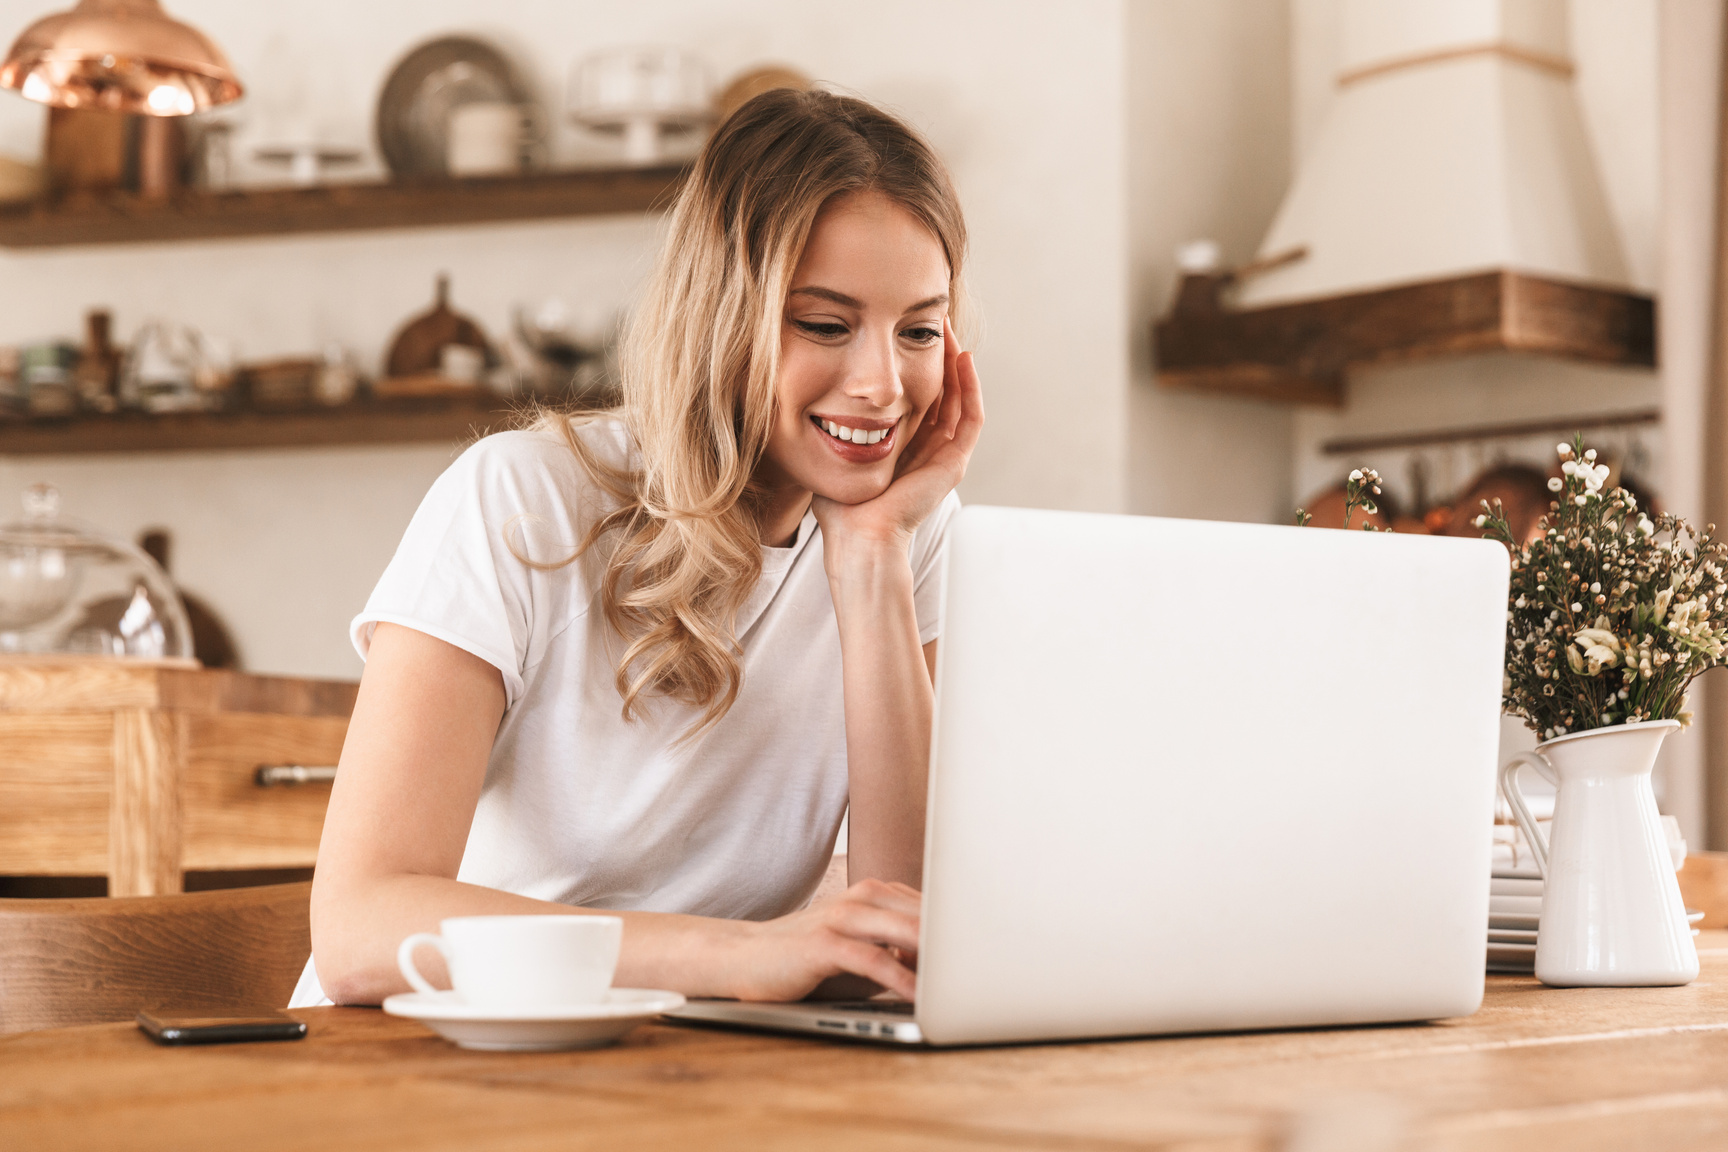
(874, 373)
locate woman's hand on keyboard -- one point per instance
(870, 930)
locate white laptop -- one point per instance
(1193, 776)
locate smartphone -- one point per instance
(218, 1025)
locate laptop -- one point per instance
(1190, 776)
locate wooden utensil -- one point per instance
(418, 348)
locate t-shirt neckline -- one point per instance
(777, 559)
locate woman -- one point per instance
(644, 663)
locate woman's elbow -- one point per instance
(339, 953)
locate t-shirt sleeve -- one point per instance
(929, 554)
(455, 576)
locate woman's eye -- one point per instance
(922, 334)
(819, 328)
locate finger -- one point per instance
(874, 963)
(953, 385)
(938, 428)
(969, 422)
(874, 925)
(951, 353)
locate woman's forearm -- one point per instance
(356, 930)
(889, 702)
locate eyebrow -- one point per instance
(849, 302)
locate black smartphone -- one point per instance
(218, 1025)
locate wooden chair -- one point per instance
(90, 961)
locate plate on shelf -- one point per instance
(497, 1030)
(1516, 921)
(1511, 936)
(431, 82)
(1511, 955)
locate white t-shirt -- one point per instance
(580, 806)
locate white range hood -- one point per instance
(1454, 145)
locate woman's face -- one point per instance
(860, 349)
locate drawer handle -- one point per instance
(270, 775)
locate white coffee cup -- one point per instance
(521, 962)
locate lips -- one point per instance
(851, 441)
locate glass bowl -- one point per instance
(69, 589)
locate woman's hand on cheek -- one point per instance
(930, 466)
(867, 931)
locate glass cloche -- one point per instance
(67, 589)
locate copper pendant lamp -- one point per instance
(119, 56)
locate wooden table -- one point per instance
(141, 771)
(1536, 1068)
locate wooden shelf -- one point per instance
(194, 215)
(1301, 351)
(378, 422)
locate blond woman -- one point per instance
(644, 663)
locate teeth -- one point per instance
(853, 435)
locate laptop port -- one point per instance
(840, 1024)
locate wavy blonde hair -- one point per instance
(698, 364)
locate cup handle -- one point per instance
(405, 960)
(1520, 810)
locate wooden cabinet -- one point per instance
(141, 771)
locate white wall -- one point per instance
(1614, 50)
(1028, 111)
(1209, 156)
(1691, 55)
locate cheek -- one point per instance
(923, 384)
(802, 381)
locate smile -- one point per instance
(859, 445)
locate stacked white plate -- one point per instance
(1514, 914)
(1514, 909)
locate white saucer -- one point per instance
(504, 1030)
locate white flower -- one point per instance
(1570, 468)
(1555, 484)
(1577, 607)
(1355, 474)
(1480, 521)
(1601, 647)
(1596, 587)
(1645, 526)
(1565, 450)
(1580, 501)
(1590, 454)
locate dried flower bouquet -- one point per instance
(1612, 614)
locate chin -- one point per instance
(852, 489)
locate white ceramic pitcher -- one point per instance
(1611, 908)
